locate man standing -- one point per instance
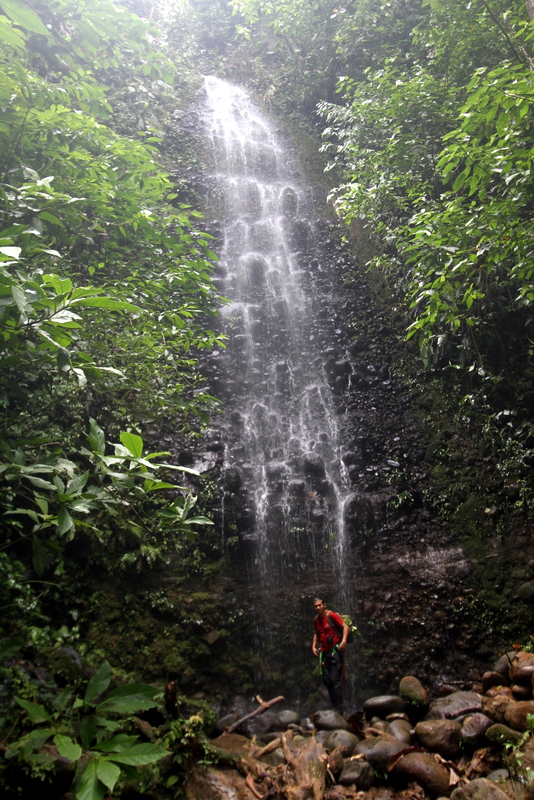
(329, 642)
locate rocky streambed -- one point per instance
(472, 742)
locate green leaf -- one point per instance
(10, 648)
(98, 683)
(129, 699)
(91, 788)
(140, 754)
(117, 744)
(96, 437)
(105, 302)
(64, 521)
(51, 217)
(35, 712)
(108, 773)
(133, 443)
(11, 35)
(67, 748)
(88, 731)
(22, 15)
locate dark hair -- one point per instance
(318, 600)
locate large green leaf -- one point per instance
(117, 744)
(133, 443)
(35, 712)
(140, 754)
(67, 748)
(98, 683)
(22, 15)
(108, 773)
(130, 699)
(91, 788)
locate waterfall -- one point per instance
(280, 427)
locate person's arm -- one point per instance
(314, 646)
(346, 631)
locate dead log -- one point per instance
(263, 707)
(305, 780)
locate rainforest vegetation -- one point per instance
(423, 111)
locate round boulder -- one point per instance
(503, 664)
(330, 721)
(413, 693)
(426, 771)
(515, 714)
(345, 740)
(440, 736)
(379, 750)
(491, 679)
(522, 669)
(258, 726)
(502, 734)
(401, 730)
(359, 774)
(384, 704)
(474, 729)
(225, 722)
(454, 705)
(479, 789)
(288, 717)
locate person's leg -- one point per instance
(332, 678)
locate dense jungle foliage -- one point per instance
(105, 298)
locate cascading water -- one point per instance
(280, 428)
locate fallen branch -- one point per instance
(249, 781)
(258, 752)
(264, 706)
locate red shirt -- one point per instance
(327, 634)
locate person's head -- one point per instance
(319, 605)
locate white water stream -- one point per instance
(281, 429)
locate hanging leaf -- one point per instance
(22, 15)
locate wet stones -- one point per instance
(474, 730)
(359, 774)
(413, 693)
(330, 721)
(344, 740)
(440, 735)
(401, 730)
(454, 705)
(426, 771)
(382, 705)
(379, 749)
(516, 713)
(479, 789)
